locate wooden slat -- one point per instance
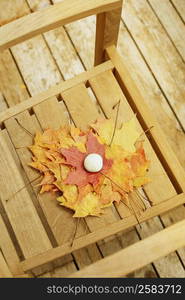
(170, 265)
(50, 18)
(171, 22)
(159, 53)
(171, 217)
(155, 99)
(99, 234)
(66, 57)
(4, 269)
(78, 34)
(55, 90)
(10, 77)
(64, 53)
(108, 94)
(51, 114)
(43, 80)
(160, 266)
(54, 114)
(3, 104)
(36, 65)
(57, 217)
(9, 13)
(22, 140)
(179, 5)
(19, 207)
(151, 92)
(83, 112)
(80, 106)
(148, 87)
(164, 150)
(8, 250)
(11, 83)
(137, 255)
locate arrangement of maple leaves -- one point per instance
(59, 156)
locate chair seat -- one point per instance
(38, 222)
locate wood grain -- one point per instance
(151, 92)
(130, 89)
(53, 91)
(22, 210)
(131, 258)
(50, 18)
(8, 250)
(107, 30)
(179, 5)
(108, 93)
(166, 64)
(155, 97)
(94, 236)
(4, 269)
(171, 22)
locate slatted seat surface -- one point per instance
(40, 225)
(37, 232)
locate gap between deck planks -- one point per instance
(87, 55)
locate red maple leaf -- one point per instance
(75, 158)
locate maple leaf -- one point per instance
(125, 137)
(85, 202)
(59, 156)
(75, 158)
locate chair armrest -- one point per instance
(54, 16)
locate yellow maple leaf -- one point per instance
(127, 170)
(125, 137)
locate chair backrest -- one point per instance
(108, 14)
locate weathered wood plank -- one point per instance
(179, 5)
(36, 65)
(4, 269)
(54, 114)
(55, 90)
(83, 112)
(3, 104)
(60, 45)
(108, 94)
(18, 205)
(11, 83)
(165, 63)
(171, 22)
(151, 92)
(158, 139)
(139, 104)
(132, 258)
(124, 224)
(146, 82)
(56, 216)
(50, 18)
(8, 250)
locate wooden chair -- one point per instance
(37, 231)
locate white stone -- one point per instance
(93, 162)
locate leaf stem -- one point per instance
(116, 121)
(26, 130)
(30, 182)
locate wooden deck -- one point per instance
(152, 46)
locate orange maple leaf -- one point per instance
(75, 158)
